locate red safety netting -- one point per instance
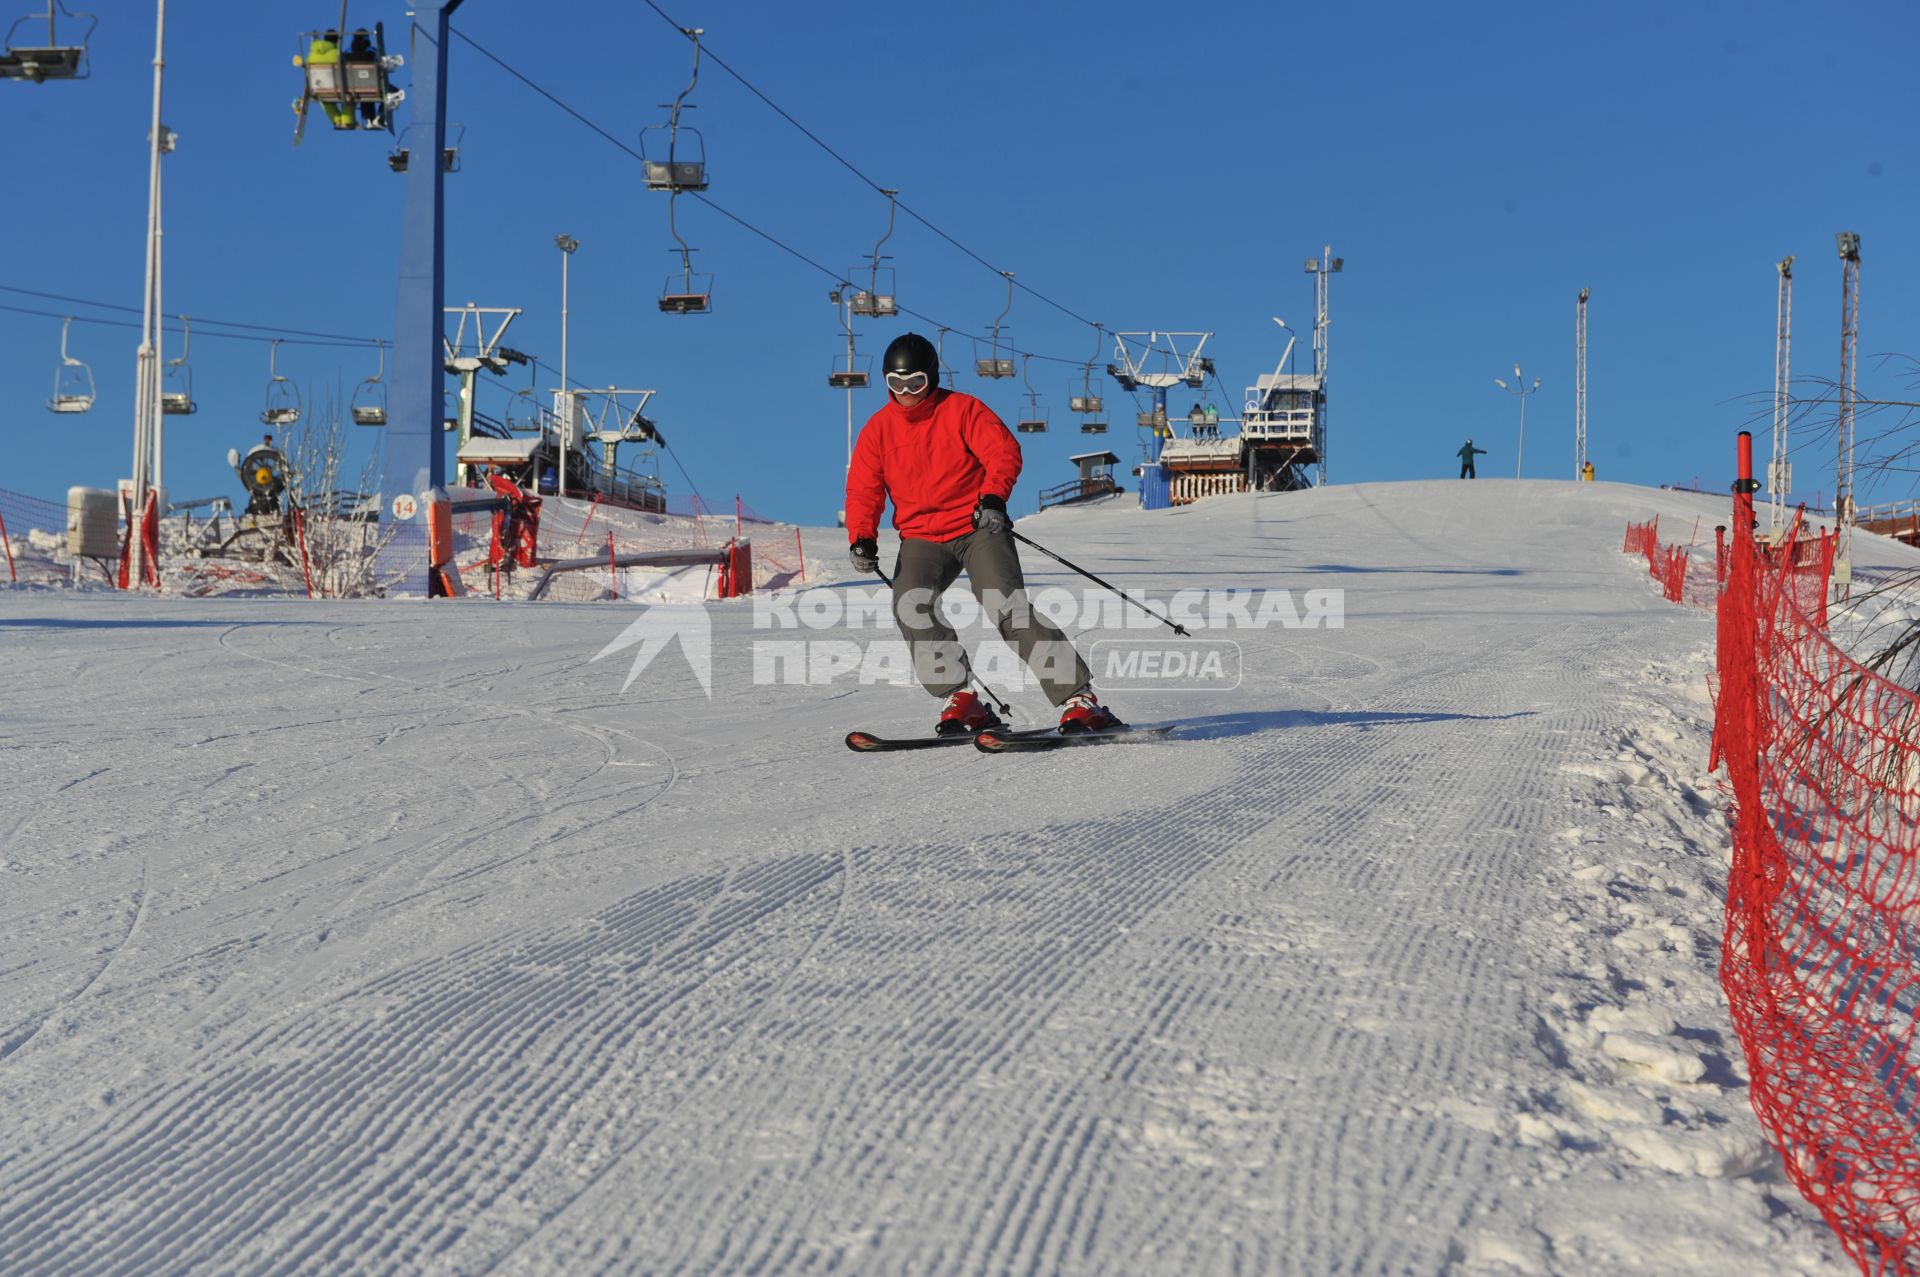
(1681, 576)
(1821, 955)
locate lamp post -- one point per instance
(1522, 389)
(566, 244)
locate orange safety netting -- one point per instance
(1667, 564)
(1821, 954)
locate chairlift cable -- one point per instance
(220, 323)
(544, 93)
(359, 343)
(851, 167)
(834, 275)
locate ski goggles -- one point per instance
(907, 383)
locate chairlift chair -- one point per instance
(1035, 422)
(449, 158)
(343, 81)
(993, 366)
(53, 60)
(369, 406)
(1093, 427)
(73, 388)
(283, 399)
(176, 390)
(689, 299)
(677, 172)
(848, 379)
(1087, 401)
(873, 301)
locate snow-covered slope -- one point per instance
(397, 937)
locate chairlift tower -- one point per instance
(1580, 385)
(1157, 362)
(416, 458)
(1779, 469)
(147, 472)
(1322, 268)
(486, 353)
(1843, 504)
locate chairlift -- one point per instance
(523, 412)
(677, 172)
(993, 366)
(353, 85)
(940, 356)
(283, 400)
(1087, 402)
(850, 377)
(449, 158)
(53, 60)
(690, 299)
(1035, 422)
(872, 301)
(369, 406)
(176, 390)
(72, 380)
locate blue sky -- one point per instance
(1144, 166)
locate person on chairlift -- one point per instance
(324, 50)
(361, 50)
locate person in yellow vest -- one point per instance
(1586, 472)
(324, 50)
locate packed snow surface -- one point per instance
(368, 937)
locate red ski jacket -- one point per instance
(935, 460)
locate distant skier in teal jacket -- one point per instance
(1467, 453)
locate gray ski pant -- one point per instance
(992, 565)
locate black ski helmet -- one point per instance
(910, 353)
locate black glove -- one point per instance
(990, 515)
(864, 554)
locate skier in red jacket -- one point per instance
(949, 465)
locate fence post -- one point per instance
(13, 576)
(800, 555)
(613, 567)
(1720, 553)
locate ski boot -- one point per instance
(1083, 712)
(965, 714)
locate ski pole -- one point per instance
(998, 704)
(1177, 629)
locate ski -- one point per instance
(995, 742)
(868, 743)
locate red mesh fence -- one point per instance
(1821, 954)
(1681, 578)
